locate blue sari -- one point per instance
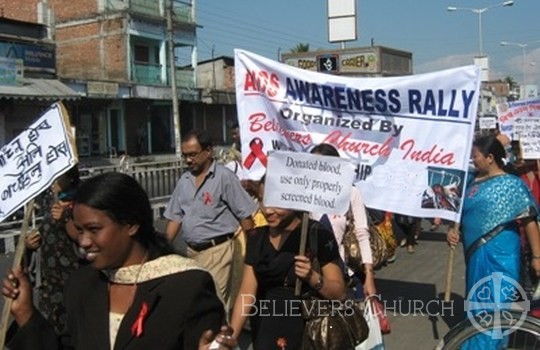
(490, 203)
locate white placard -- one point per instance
(510, 112)
(487, 122)
(34, 159)
(308, 182)
(528, 132)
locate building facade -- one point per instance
(115, 55)
(28, 83)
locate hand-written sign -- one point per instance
(313, 183)
(527, 130)
(511, 112)
(30, 162)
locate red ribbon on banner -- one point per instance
(256, 146)
(137, 328)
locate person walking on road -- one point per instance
(206, 207)
(496, 205)
(271, 268)
(51, 249)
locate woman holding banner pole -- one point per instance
(52, 248)
(495, 205)
(272, 266)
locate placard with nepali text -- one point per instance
(512, 112)
(308, 182)
(34, 159)
(528, 131)
(409, 136)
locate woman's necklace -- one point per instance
(128, 274)
(140, 269)
(123, 286)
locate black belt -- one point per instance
(211, 243)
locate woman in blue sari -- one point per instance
(496, 204)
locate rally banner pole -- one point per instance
(17, 260)
(303, 241)
(450, 269)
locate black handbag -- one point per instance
(331, 324)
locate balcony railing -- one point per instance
(149, 74)
(182, 12)
(146, 7)
(182, 9)
(185, 78)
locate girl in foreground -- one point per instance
(135, 293)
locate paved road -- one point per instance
(412, 289)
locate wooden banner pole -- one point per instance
(450, 269)
(303, 242)
(17, 260)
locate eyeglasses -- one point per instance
(192, 154)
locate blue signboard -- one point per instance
(33, 55)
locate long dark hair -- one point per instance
(491, 145)
(123, 199)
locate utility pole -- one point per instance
(172, 76)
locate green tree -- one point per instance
(300, 47)
(511, 82)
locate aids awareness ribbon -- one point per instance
(207, 198)
(256, 146)
(137, 328)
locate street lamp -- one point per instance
(480, 11)
(523, 47)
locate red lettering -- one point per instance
(274, 83)
(342, 142)
(435, 155)
(262, 82)
(249, 82)
(258, 123)
(255, 121)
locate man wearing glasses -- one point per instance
(206, 207)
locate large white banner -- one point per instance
(30, 162)
(409, 136)
(513, 113)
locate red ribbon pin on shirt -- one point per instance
(137, 328)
